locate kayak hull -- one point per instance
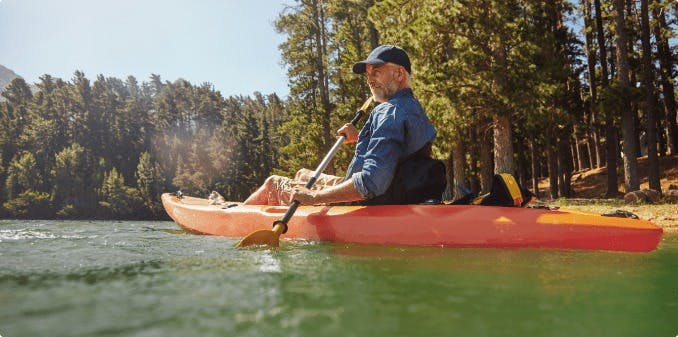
(423, 225)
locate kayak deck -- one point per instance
(423, 225)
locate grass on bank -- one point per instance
(664, 215)
(590, 187)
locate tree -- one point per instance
(305, 52)
(650, 100)
(151, 184)
(666, 69)
(117, 199)
(29, 204)
(22, 174)
(611, 137)
(14, 117)
(81, 113)
(592, 127)
(632, 183)
(39, 139)
(69, 184)
(353, 38)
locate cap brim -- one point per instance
(361, 67)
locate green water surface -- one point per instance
(65, 278)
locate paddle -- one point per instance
(271, 237)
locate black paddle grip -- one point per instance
(288, 215)
(355, 120)
(357, 117)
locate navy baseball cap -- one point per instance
(382, 54)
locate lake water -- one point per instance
(96, 278)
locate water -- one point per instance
(65, 278)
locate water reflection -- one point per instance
(88, 279)
(562, 273)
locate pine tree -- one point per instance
(69, 184)
(650, 99)
(306, 53)
(22, 174)
(631, 181)
(150, 182)
(117, 199)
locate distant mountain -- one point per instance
(6, 76)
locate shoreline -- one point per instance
(663, 215)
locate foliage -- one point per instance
(150, 183)
(109, 148)
(116, 197)
(30, 205)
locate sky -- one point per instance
(230, 44)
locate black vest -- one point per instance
(417, 179)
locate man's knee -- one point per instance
(270, 181)
(303, 174)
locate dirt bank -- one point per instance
(590, 188)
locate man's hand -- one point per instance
(350, 131)
(344, 191)
(303, 195)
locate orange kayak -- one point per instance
(423, 225)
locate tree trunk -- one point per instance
(503, 140)
(552, 161)
(666, 68)
(573, 153)
(610, 130)
(631, 182)
(448, 193)
(473, 151)
(632, 35)
(458, 166)
(577, 158)
(320, 37)
(503, 145)
(535, 166)
(597, 148)
(565, 164)
(486, 164)
(522, 166)
(650, 102)
(591, 146)
(593, 89)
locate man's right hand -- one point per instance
(350, 132)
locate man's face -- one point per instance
(382, 79)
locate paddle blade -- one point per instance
(263, 237)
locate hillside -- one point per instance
(593, 183)
(6, 76)
(590, 188)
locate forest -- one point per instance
(533, 88)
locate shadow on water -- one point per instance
(94, 275)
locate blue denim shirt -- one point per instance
(394, 130)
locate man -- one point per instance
(396, 130)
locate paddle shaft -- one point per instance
(317, 173)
